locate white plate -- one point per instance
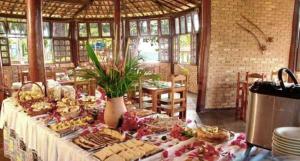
(295, 149)
(290, 133)
(278, 152)
(284, 150)
(284, 143)
(285, 139)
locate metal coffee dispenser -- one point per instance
(270, 106)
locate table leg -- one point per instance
(154, 101)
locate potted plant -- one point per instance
(116, 76)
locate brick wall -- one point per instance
(233, 50)
(192, 77)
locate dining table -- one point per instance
(156, 88)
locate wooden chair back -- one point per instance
(86, 86)
(178, 85)
(252, 77)
(274, 76)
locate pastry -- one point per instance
(103, 153)
(115, 157)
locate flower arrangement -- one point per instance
(116, 76)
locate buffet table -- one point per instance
(48, 146)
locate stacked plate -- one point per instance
(286, 141)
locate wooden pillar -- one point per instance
(171, 47)
(74, 43)
(204, 15)
(117, 27)
(35, 41)
(294, 49)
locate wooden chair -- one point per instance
(24, 76)
(240, 97)
(274, 76)
(175, 104)
(242, 92)
(138, 97)
(83, 86)
(50, 74)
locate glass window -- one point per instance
(82, 30)
(164, 49)
(184, 48)
(48, 51)
(196, 22)
(182, 24)
(177, 25)
(60, 29)
(106, 29)
(148, 49)
(94, 29)
(154, 27)
(18, 50)
(17, 28)
(2, 29)
(189, 23)
(102, 48)
(46, 29)
(144, 27)
(165, 29)
(133, 28)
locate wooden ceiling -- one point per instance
(99, 8)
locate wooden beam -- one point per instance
(74, 43)
(84, 6)
(158, 3)
(181, 3)
(35, 41)
(294, 49)
(117, 27)
(205, 18)
(171, 43)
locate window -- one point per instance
(4, 51)
(82, 51)
(18, 49)
(177, 25)
(17, 28)
(106, 29)
(133, 28)
(82, 30)
(133, 47)
(164, 49)
(102, 48)
(148, 49)
(94, 30)
(48, 50)
(2, 28)
(144, 27)
(60, 29)
(62, 51)
(182, 24)
(165, 29)
(183, 49)
(196, 21)
(46, 29)
(154, 27)
(189, 23)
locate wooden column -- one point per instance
(204, 15)
(74, 43)
(294, 49)
(117, 27)
(171, 44)
(35, 41)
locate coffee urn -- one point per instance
(271, 105)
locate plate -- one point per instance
(284, 150)
(284, 143)
(290, 133)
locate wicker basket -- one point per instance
(27, 104)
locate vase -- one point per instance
(115, 108)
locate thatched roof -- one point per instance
(99, 8)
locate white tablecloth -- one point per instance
(38, 137)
